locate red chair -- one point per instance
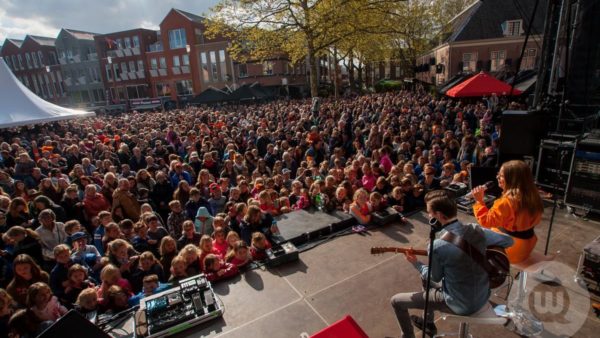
(343, 328)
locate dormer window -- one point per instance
(512, 28)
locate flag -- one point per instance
(110, 42)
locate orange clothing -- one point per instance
(503, 214)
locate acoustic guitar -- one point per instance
(496, 262)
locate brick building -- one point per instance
(485, 36)
(123, 66)
(80, 68)
(34, 62)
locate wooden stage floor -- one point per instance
(341, 277)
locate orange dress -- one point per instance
(503, 214)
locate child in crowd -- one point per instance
(191, 255)
(377, 202)
(259, 247)
(151, 285)
(87, 301)
(239, 255)
(178, 270)
(148, 265)
(77, 282)
(175, 219)
(303, 201)
(44, 305)
(231, 238)
(7, 308)
(155, 231)
(71, 227)
(141, 242)
(204, 221)
(189, 236)
(111, 233)
(396, 199)
(361, 210)
(216, 200)
(26, 272)
(117, 299)
(84, 253)
(236, 215)
(266, 204)
(206, 247)
(104, 217)
(219, 242)
(167, 251)
(126, 229)
(110, 275)
(216, 269)
(59, 276)
(122, 255)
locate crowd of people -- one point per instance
(97, 213)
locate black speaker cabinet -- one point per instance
(521, 134)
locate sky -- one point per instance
(46, 17)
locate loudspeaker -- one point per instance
(521, 134)
(583, 83)
(73, 325)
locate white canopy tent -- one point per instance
(19, 106)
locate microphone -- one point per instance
(488, 185)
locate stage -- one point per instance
(340, 277)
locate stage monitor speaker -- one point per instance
(73, 325)
(583, 85)
(521, 134)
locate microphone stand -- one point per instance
(432, 232)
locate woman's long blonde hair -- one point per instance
(520, 187)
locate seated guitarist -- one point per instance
(459, 284)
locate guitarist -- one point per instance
(459, 284)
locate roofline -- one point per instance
(125, 31)
(464, 10)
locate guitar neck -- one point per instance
(398, 250)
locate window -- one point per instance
(204, 65)
(117, 71)
(28, 58)
(163, 62)
(153, 63)
(529, 59)
(42, 85)
(184, 87)
(20, 61)
(40, 58)
(108, 72)
(213, 66)
(268, 68)
(177, 38)
(136, 41)
(132, 66)
(127, 41)
(176, 61)
(34, 59)
(14, 62)
(119, 43)
(242, 70)
(223, 66)
(497, 59)
(186, 59)
(140, 65)
(512, 27)
(469, 62)
(163, 89)
(124, 67)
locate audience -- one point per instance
(161, 196)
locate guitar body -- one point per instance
(498, 265)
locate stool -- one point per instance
(485, 316)
(525, 323)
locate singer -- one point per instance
(516, 212)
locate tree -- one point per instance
(302, 29)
